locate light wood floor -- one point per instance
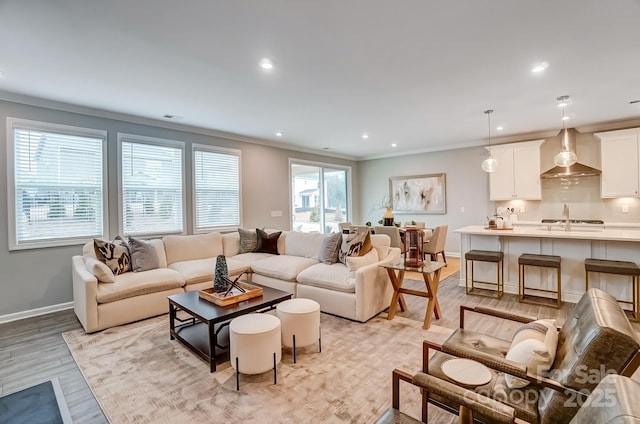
(32, 350)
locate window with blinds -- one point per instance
(152, 185)
(56, 184)
(216, 187)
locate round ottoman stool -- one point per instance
(254, 344)
(300, 320)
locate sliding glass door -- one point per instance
(320, 196)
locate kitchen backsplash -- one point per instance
(582, 194)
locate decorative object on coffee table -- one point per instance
(221, 275)
(237, 292)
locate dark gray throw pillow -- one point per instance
(143, 255)
(330, 248)
(248, 240)
(267, 243)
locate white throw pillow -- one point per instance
(356, 262)
(533, 345)
(100, 270)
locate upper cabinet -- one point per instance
(518, 173)
(619, 152)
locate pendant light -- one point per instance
(566, 157)
(490, 164)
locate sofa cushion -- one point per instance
(332, 277)
(267, 243)
(195, 246)
(249, 258)
(330, 248)
(282, 267)
(143, 255)
(201, 270)
(305, 245)
(131, 284)
(99, 270)
(115, 254)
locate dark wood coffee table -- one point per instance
(208, 323)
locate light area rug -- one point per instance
(138, 375)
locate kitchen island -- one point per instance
(572, 246)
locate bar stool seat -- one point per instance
(607, 266)
(485, 256)
(543, 261)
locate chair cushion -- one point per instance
(550, 261)
(611, 267)
(484, 255)
(534, 345)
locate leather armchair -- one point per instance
(596, 338)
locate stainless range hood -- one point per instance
(577, 169)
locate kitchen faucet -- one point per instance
(567, 222)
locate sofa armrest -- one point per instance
(85, 289)
(373, 289)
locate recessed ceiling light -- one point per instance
(499, 128)
(266, 63)
(566, 118)
(174, 117)
(365, 136)
(279, 133)
(394, 144)
(325, 148)
(539, 67)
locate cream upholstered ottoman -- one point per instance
(254, 344)
(300, 320)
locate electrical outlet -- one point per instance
(625, 208)
(275, 214)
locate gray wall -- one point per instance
(467, 186)
(39, 278)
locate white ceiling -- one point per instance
(416, 72)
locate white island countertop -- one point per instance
(575, 233)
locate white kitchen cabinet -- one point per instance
(518, 173)
(619, 153)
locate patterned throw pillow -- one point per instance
(267, 243)
(115, 254)
(248, 240)
(356, 244)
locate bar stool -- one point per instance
(485, 256)
(543, 261)
(606, 266)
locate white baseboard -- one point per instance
(35, 312)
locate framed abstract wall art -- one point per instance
(419, 194)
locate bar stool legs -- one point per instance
(543, 261)
(605, 266)
(485, 256)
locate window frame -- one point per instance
(155, 141)
(323, 166)
(28, 124)
(214, 149)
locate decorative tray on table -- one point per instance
(234, 296)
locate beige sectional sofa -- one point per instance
(357, 291)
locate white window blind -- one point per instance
(216, 188)
(58, 184)
(151, 185)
